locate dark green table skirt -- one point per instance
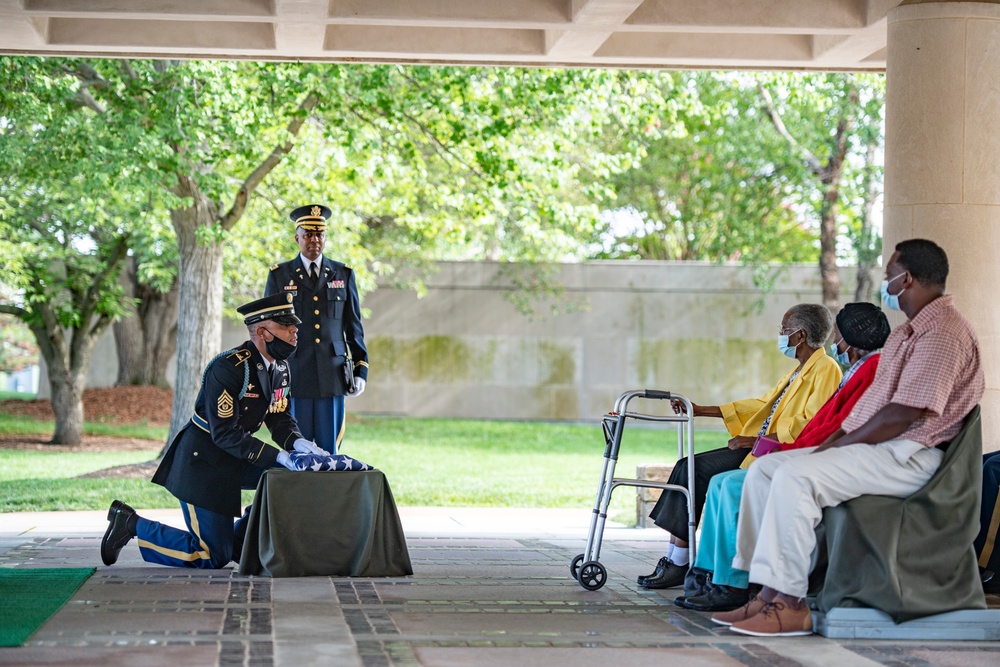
(324, 523)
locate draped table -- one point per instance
(341, 523)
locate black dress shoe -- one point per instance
(121, 529)
(661, 565)
(985, 576)
(673, 575)
(696, 582)
(719, 598)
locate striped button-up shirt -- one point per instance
(931, 362)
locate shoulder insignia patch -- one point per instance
(241, 355)
(274, 266)
(347, 267)
(225, 405)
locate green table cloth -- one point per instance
(340, 523)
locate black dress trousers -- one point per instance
(671, 512)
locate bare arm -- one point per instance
(886, 424)
(699, 410)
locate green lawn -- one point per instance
(435, 462)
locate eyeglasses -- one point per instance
(782, 331)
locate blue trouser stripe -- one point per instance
(208, 542)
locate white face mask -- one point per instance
(891, 301)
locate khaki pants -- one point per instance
(785, 493)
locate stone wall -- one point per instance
(463, 350)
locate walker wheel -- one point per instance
(574, 567)
(592, 575)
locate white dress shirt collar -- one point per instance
(307, 262)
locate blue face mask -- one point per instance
(841, 357)
(891, 301)
(785, 348)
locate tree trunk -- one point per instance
(146, 338)
(828, 272)
(199, 273)
(868, 250)
(199, 278)
(67, 404)
(67, 354)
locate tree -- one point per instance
(466, 161)
(758, 168)
(65, 229)
(710, 186)
(825, 120)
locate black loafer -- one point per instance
(118, 534)
(719, 598)
(661, 565)
(696, 582)
(672, 576)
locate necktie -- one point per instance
(272, 376)
(313, 273)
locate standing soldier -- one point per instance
(325, 297)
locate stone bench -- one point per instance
(646, 498)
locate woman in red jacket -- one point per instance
(862, 328)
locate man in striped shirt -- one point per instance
(930, 377)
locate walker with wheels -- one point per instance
(586, 568)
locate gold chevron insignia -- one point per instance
(225, 405)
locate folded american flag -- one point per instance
(306, 461)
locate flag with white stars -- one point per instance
(326, 462)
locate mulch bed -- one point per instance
(119, 405)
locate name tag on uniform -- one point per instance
(335, 284)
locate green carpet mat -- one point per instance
(29, 597)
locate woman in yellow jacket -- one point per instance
(780, 414)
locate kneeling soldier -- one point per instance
(216, 454)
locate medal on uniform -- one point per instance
(279, 402)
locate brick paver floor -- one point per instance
(490, 588)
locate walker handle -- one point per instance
(656, 393)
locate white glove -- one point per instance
(359, 386)
(286, 460)
(309, 447)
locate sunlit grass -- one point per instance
(429, 462)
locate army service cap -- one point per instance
(277, 307)
(311, 217)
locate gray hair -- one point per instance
(813, 318)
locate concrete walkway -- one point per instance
(491, 587)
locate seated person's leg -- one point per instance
(729, 586)
(753, 500)
(713, 519)
(671, 512)
(207, 544)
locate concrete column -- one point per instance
(942, 158)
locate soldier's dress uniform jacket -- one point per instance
(216, 453)
(330, 311)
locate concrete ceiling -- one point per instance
(770, 34)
